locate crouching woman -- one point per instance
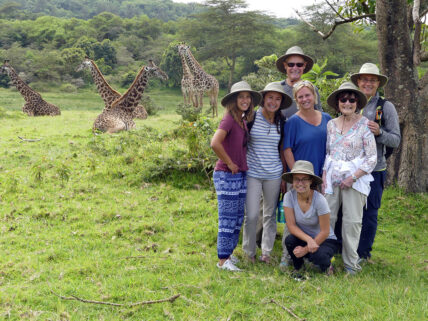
(308, 219)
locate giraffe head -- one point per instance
(182, 48)
(154, 71)
(5, 68)
(85, 64)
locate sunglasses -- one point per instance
(351, 100)
(298, 64)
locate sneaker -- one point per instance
(350, 271)
(264, 258)
(296, 275)
(229, 266)
(234, 259)
(330, 270)
(364, 260)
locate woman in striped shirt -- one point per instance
(264, 170)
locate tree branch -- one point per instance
(336, 23)
(335, 11)
(287, 309)
(73, 297)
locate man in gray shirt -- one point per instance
(385, 127)
(294, 63)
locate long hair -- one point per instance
(238, 116)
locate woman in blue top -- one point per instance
(305, 136)
(308, 219)
(264, 170)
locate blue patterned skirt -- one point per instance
(231, 192)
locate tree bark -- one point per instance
(408, 165)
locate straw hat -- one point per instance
(277, 87)
(296, 50)
(347, 86)
(239, 87)
(370, 69)
(302, 167)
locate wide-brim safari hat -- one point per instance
(370, 69)
(277, 87)
(347, 86)
(296, 50)
(240, 87)
(302, 167)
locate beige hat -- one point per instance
(302, 167)
(239, 87)
(296, 50)
(370, 69)
(347, 86)
(277, 87)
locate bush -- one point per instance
(188, 112)
(68, 88)
(151, 108)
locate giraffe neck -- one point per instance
(193, 64)
(186, 70)
(108, 94)
(25, 90)
(133, 95)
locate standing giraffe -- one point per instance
(34, 103)
(119, 116)
(202, 81)
(186, 81)
(108, 94)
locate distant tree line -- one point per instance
(45, 50)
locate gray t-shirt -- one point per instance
(309, 222)
(290, 111)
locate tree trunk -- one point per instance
(231, 73)
(396, 61)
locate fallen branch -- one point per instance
(29, 140)
(287, 309)
(73, 297)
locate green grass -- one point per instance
(96, 217)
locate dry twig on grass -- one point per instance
(29, 140)
(287, 309)
(73, 297)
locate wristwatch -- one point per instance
(354, 178)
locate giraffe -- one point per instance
(34, 103)
(108, 94)
(202, 81)
(119, 116)
(186, 81)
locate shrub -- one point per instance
(188, 112)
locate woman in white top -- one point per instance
(308, 219)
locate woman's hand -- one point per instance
(312, 246)
(347, 183)
(233, 167)
(300, 251)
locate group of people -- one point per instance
(322, 166)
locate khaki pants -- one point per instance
(352, 203)
(270, 191)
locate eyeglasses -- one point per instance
(351, 100)
(369, 80)
(298, 64)
(301, 180)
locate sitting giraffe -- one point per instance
(34, 103)
(119, 116)
(202, 81)
(186, 81)
(108, 94)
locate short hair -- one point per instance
(304, 83)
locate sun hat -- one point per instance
(277, 87)
(347, 86)
(296, 50)
(369, 69)
(302, 167)
(239, 87)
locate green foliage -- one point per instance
(151, 107)
(171, 64)
(265, 74)
(188, 112)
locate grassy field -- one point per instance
(102, 218)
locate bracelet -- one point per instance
(354, 178)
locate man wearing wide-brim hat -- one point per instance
(385, 127)
(294, 63)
